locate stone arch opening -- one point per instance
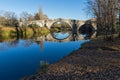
(60, 30)
(61, 25)
(86, 30)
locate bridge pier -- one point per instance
(45, 23)
(74, 30)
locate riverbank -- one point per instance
(96, 60)
(8, 32)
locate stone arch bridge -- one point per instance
(48, 23)
(72, 23)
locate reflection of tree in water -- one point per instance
(41, 44)
(40, 41)
(14, 44)
(3, 46)
(28, 43)
(6, 45)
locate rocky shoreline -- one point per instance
(96, 60)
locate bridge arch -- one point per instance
(64, 30)
(61, 24)
(49, 23)
(87, 27)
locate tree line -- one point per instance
(8, 18)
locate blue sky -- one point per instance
(69, 9)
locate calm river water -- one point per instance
(22, 57)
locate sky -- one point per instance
(68, 9)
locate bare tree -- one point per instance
(30, 17)
(25, 17)
(8, 18)
(105, 13)
(118, 17)
(36, 17)
(40, 15)
(3, 20)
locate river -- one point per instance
(22, 57)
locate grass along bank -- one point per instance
(22, 32)
(7, 32)
(96, 60)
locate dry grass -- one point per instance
(6, 32)
(7, 28)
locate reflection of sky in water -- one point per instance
(61, 35)
(22, 58)
(83, 35)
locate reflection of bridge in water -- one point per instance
(71, 37)
(40, 40)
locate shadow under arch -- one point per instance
(86, 30)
